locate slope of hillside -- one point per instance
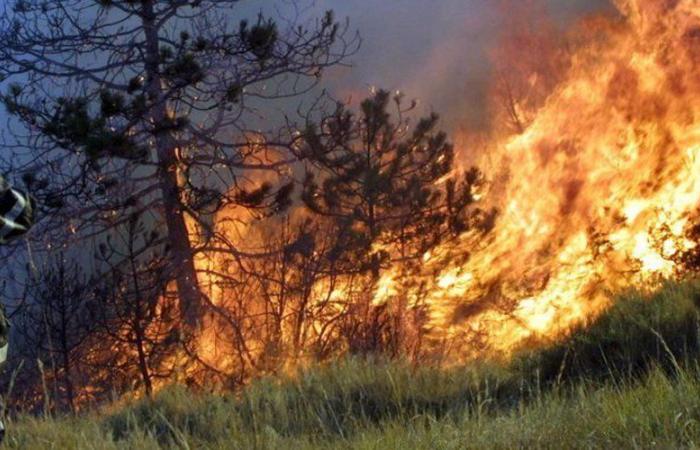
(629, 380)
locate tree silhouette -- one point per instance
(154, 106)
(136, 319)
(389, 186)
(54, 325)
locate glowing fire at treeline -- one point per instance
(595, 193)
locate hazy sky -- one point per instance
(435, 50)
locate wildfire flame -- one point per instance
(595, 194)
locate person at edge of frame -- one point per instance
(16, 218)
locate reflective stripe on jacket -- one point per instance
(16, 212)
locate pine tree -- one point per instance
(390, 187)
(153, 105)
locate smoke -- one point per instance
(438, 52)
(435, 51)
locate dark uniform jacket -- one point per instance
(16, 212)
(16, 217)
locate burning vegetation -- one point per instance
(595, 191)
(350, 230)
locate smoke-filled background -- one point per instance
(438, 51)
(434, 51)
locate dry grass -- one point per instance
(631, 380)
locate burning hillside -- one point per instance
(596, 193)
(223, 251)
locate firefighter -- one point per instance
(16, 217)
(16, 212)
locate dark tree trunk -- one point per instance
(181, 254)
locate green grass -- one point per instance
(640, 330)
(629, 380)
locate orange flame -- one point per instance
(594, 194)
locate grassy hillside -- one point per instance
(631, 380)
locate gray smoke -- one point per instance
(434, 50)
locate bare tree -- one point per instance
(301, 290)
(134, 345)
(54, 325)
(276, 308)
